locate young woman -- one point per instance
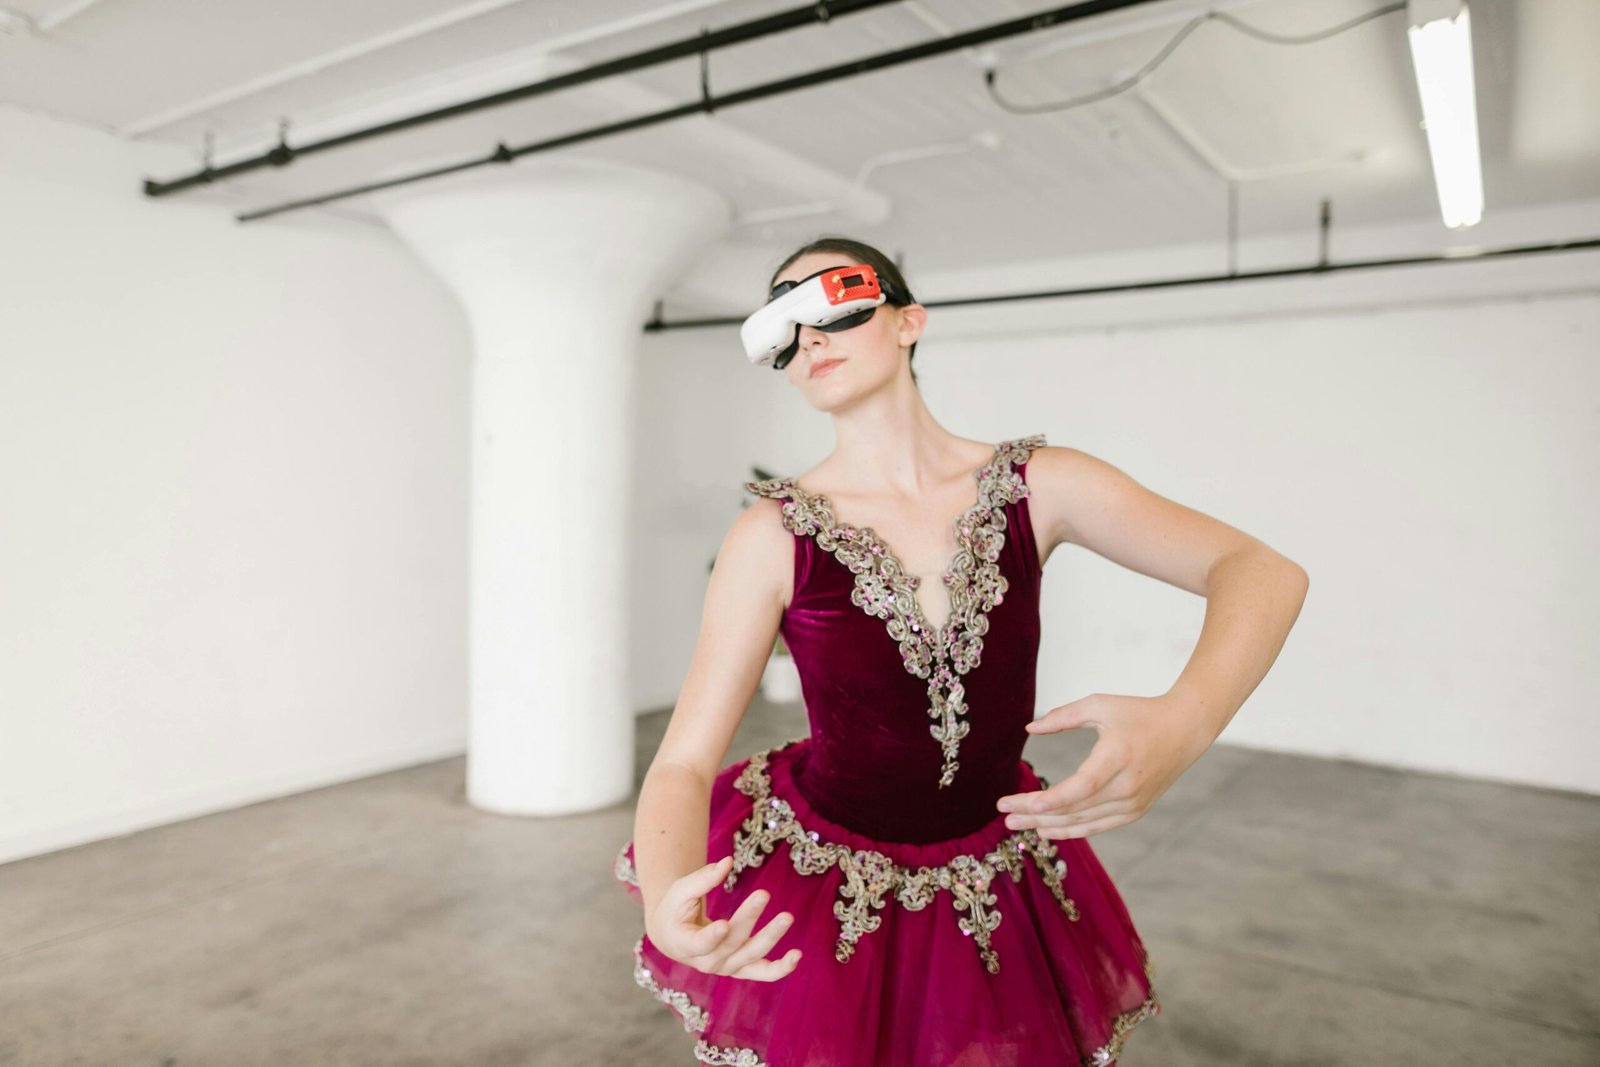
(918, 923)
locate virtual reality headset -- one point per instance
(832, 300)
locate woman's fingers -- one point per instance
(706, 938)
(1055, 820)
(750, 960)
(715, 941)
(709, 938)
(770, 970)
(740, 923)
(738, 954)
(754, 950)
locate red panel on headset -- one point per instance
(852, 283)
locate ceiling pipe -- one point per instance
(281, 156)
(1450, 256)
(708, 103)
(1159, 19)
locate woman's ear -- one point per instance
(913, 317)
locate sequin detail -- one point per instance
(624, 870)
(871, 878)
(772, 820)
(1121, 1027)
(623, 867)
(706, 1052)
(695, 1019)
(939, 654)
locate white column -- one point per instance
(557, 263)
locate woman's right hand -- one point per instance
(678, 928)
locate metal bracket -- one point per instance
(705, 76)
(281, 155)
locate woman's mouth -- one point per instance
(822, 367)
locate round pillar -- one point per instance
(557, 263)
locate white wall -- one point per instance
(232, 499)
(233, 478)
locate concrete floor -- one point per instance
(1297, 911)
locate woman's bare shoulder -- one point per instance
(760, 548)
(1091, 502)
(1060, 484)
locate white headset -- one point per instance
(833, 299)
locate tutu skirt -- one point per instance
(997, 949)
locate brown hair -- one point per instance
(858, 252)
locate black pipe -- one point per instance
(818, 12)
(504, 154)
(656, 324)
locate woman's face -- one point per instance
(864, 358)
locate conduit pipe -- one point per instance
(708, 103)
(1324, 267)
(283, 155)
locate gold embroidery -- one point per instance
(623, 866)
(939, 654)
(695, 1020)
(870, 876)
(706, 1052)
(1121, 1027)
(694, 1017)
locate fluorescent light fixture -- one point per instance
(1441, 52)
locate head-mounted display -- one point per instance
(833, 299)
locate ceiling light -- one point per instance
(1441, 52)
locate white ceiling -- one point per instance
(948, 177)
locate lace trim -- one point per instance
(1121, 1027)
(695, 1020)
(693, 1015)
(623, 867)
(870, 876)
(883, 588)
(706, 1052)
(624, 870)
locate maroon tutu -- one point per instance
(932, 934)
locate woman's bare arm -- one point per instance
(1253, 596)
(744, 603)
(1086, 501)
(1253, 592)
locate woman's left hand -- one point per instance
(1145, 744)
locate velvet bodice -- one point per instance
(916, 731)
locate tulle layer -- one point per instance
(997, 949)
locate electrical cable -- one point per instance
(1149, 68)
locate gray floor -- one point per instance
(1297, 911)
